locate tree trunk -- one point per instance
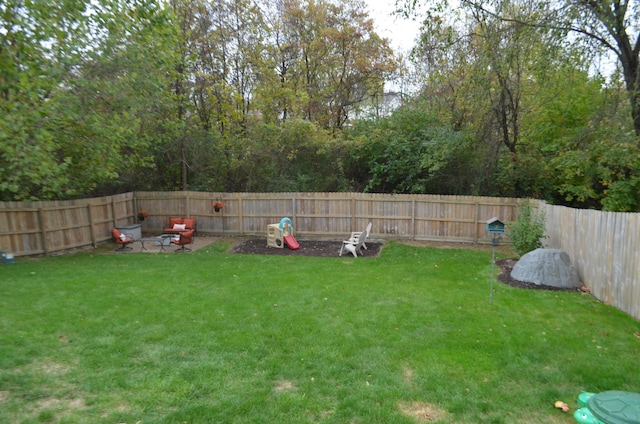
(630, 70)
(613, 16)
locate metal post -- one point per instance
(494, 242)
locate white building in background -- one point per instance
(379, 106)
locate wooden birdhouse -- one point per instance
(495, 226)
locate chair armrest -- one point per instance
(355, 236)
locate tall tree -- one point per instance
(75, 83)
(610, 26)
(479, 75)
(358, 64)
(286, 78)
(116, 92)
(615, 26)
(328, 60)
(39, 43)
(509, 70)
(607, 25)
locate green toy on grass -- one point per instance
(611, 407)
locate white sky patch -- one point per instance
(402, 32)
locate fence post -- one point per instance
(135, 205)
(113, 212)
(240, 214)
(413, 218)
(478, 219)
(92, 229)
(43, 231)
(353, 210)
(293, 208)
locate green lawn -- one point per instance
(209, 337)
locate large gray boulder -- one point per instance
(549, 267)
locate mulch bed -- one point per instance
(320, 248)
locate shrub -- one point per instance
(527, 231)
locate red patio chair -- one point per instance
(186, 237)
(124, 240)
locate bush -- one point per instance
(527, 231)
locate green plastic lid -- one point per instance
(616, 407)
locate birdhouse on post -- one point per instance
(495, 226)
(7, 257)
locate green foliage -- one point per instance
(545, 125)
(103, 96)
(324, 61)
(116, 94)
(622, 195)
(36, 53)
(413, 152)
(618, 166)
(71, 114)
(295, 156)
(527, 231)
(571, 145)
(29, 164)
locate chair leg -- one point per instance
(183, 249)
(352, 249)
(124, 248)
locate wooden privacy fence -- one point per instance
(604, 247)
(332, 215)
(49, 227)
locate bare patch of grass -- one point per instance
(49, 367)
(61, 404)
(408, 375)
(422, 411)
(284, 386)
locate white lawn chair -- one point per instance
(356, 242)
(356, 234)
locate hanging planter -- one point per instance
(218, 205)
(142, 215)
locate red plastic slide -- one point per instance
(291, 242)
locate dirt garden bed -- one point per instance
(320, 248)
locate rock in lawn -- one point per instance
(549, 267)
